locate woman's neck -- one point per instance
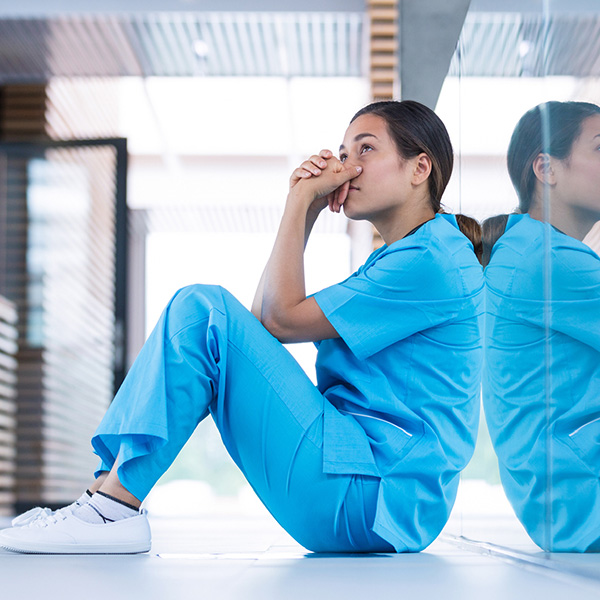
(394, 227)
(573, 221)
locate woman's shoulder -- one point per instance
(527, 237)
(438, 235)
(436, 257)
(529, 250)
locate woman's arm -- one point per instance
(280, 302)
(311, 219)
(309, 168)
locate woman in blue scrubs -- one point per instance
(369, 459)
(541, 385)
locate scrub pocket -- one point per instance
(389, 442)
(584, 441)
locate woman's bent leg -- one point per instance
(210, 354)
(167, 392)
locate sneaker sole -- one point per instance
(37, 548)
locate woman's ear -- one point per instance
(543, 169)
(422, 169)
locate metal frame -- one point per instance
(38, 149)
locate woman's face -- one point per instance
(578, 176)
(385, 182)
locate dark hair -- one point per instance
(471, 229)
(492, 229)
(549, 128)
(415, 128)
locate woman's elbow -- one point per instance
(277, 329)
(269, 322)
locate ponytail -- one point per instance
(472, 230)
(491, 231)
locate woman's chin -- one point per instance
(349, 213)
(355, 216)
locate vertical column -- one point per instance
(383, 60)
(383, 19)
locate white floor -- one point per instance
(229, 556)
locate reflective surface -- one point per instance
(541, 382)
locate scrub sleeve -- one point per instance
(209, 354)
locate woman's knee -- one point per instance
(191, 305)
(198, 292)
(197, 298)
(207, 296)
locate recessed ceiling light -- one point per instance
(201, 48)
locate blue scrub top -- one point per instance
(541, 383)
(403, 380)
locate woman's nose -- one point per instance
(350, 164)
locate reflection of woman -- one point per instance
(542, 375)
(366, 461)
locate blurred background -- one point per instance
(147, 146)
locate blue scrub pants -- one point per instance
(208, 354)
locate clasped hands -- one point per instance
(321, 181)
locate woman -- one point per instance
(541, 385)
(368, 460)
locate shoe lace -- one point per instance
(51, 517)
(38, 512)
(31, 515)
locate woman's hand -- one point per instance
(330, 191)
(311, 167)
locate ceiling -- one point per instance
(529, 44)
(304, 44)
(184, 44)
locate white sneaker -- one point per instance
(42, 512)
(64, 533)
(39, 513)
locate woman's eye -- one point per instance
(362, 150)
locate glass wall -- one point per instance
(521, 101)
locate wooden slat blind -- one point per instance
(58, 268)
(66, 354)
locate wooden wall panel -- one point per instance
(384, 28)
(23, 111)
